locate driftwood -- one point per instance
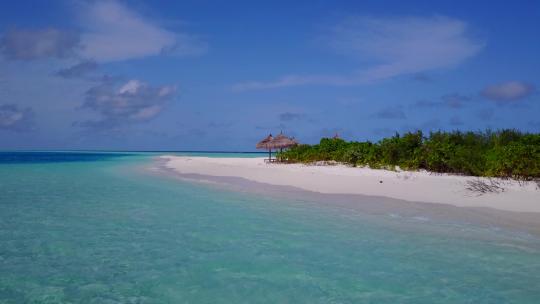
(325, 163)
(482, 186)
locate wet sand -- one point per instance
(418, 186)
(489, 218)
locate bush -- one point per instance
(359, 153)
(505, 153)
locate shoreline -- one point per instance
(421, 212)
(342, 180)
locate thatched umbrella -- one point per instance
(267, 145)
(282, 142)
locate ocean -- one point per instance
(97, 227)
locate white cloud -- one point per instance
(393, 46)
(32, 44)
(107, 31)
(113, 32)
(405, 45)
(131, 87)
(291, 80)
(132, 102)
(79, 70)
(14, 118)
(508, 91)
(454, 101)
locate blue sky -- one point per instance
(221, 75)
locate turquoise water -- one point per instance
(101, 230)
(32, 157)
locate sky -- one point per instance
(222, 75)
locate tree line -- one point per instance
(503, 153)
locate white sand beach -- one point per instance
(340, 179)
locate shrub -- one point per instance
(505, 153)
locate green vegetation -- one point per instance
(505, 153)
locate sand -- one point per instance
(340, 179)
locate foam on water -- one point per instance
(101, 231)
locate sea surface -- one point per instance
(89, 227)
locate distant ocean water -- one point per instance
(95, 228)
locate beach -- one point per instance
(339, 179)
(284, 152)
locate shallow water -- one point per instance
(102, 230)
